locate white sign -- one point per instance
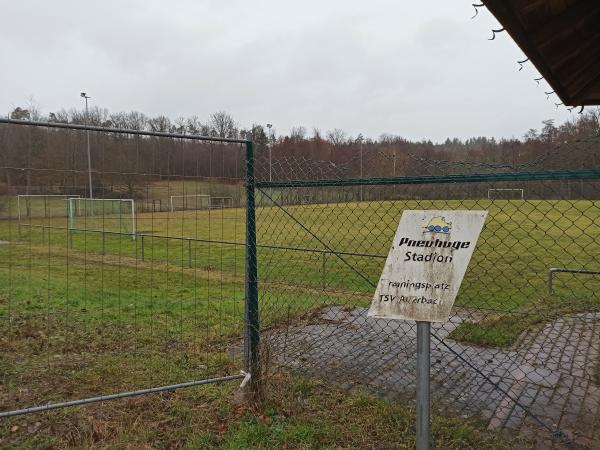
(426, 265)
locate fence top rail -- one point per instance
(100, 199)
(190, 195)
(505, 189)
(49, 195)
(576, 271)
(582, 174)
(72, 126)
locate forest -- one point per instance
(39, 160)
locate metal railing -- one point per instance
(128, 394)
(190, 240)
(323, 252)
(554, 270)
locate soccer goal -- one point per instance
(506, 194)
(221, 202)
(306, 199)
(189, 202)
(42, 205)
(102, 214)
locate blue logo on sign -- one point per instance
(438, 225)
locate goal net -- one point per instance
(102, 214)
(506, 194)
(221, 202)
(42, 206)
(305, 199)
(189, 202)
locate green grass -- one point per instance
(95, 317)
(294, 417)
(507, 274)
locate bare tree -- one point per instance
(193, 125)
(317, 134)
(298, 133)
(97, 116)
(160, 124)
(223, 124)
(136, 121)
(336, 136)
(118, 120)
(130, 121)
(205, 129)
(181, 125)
(61, 116)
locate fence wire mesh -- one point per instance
(119, 292)
(521, 349)
(150, 283)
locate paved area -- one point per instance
(550, 372)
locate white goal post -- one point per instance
(45, 201)
(520, 193)
(189, 201)
(306, 199)
(221, 202)
(103, 214)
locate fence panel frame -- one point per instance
(251, 306)
(263, 187)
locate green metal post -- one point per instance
(251, 322)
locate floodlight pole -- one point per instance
(394, 168)
(269, 126)
(86, 97)
(361, 169)
(423, 374)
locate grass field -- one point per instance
(506, 278)
(95, 313)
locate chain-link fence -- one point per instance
(122, 274)
(148, 283)
(521, 348)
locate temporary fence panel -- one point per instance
(87, 313)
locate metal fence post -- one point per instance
(103, 243)
(550, 274)
(554, 270)
(189, 253)
(423, 364)
(324, 268)
(251, 319)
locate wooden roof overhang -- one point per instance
(561, 38)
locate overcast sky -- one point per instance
(416, 69)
